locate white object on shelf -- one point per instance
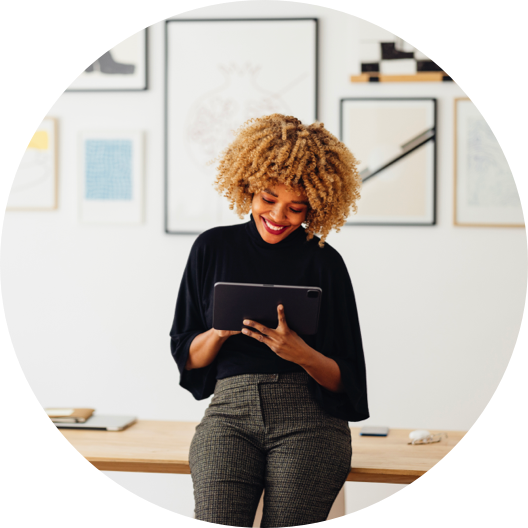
(398, 67)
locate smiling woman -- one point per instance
(278, 420)
(308, 160)
(279, 212)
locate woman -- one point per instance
(278, 420)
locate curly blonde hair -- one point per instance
(278, 149)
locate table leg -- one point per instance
(258, 515)
(338, 508)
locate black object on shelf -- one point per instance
(369, 67)
(389, 52)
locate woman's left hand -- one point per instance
(283, 341)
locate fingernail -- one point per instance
(244, 331)
(246, 322)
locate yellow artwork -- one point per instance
(35, 185)
(39, 141)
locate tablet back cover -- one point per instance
(234, 302)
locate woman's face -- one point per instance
(278, 212)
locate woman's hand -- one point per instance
(283, 341)
(226, 333)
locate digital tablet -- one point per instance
(234, 302)
(373, 430)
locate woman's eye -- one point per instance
(292, 210)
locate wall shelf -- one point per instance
(437, 76)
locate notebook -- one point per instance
(101, 422)
(68, 415)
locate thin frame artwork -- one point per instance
(111, 186)
(145, 32)
(238, 69)
(457, 177)
(55, 177)
(425, 137)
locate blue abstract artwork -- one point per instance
(108, 169)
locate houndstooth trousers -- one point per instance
(265, 432)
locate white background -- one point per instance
(89, 308)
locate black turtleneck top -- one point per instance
(239, 254)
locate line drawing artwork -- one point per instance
(489, 182)
(35, 184)
(212, 91)
(214, 116)
(34, 171)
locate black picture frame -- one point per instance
(144, 78)
(429, 135)
(167, 228)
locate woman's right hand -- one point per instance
(226, 333)
(206, 346)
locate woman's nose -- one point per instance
(278, 213)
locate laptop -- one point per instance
(102, 423)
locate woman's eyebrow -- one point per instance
(293, 201)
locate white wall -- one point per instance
(89, 308)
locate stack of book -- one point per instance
(69, 415)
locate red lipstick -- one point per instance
(265, 222)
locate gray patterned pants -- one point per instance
(265, 432)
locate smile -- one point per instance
(275, 230)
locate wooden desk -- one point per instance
(163, 447)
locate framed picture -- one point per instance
(123, 68)
(35, 187)
(111, 184)
(485, 191)
(394, 140)
(219, 74)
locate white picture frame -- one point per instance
(213, 85)
(111, 177)
(122, 68)
(35, 187)
(485, 194)
(394, 140)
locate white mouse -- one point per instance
(419, 434)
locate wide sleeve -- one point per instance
(189, 321)
(339, 338)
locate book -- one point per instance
(63, 415)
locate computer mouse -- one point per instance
(419, 434)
